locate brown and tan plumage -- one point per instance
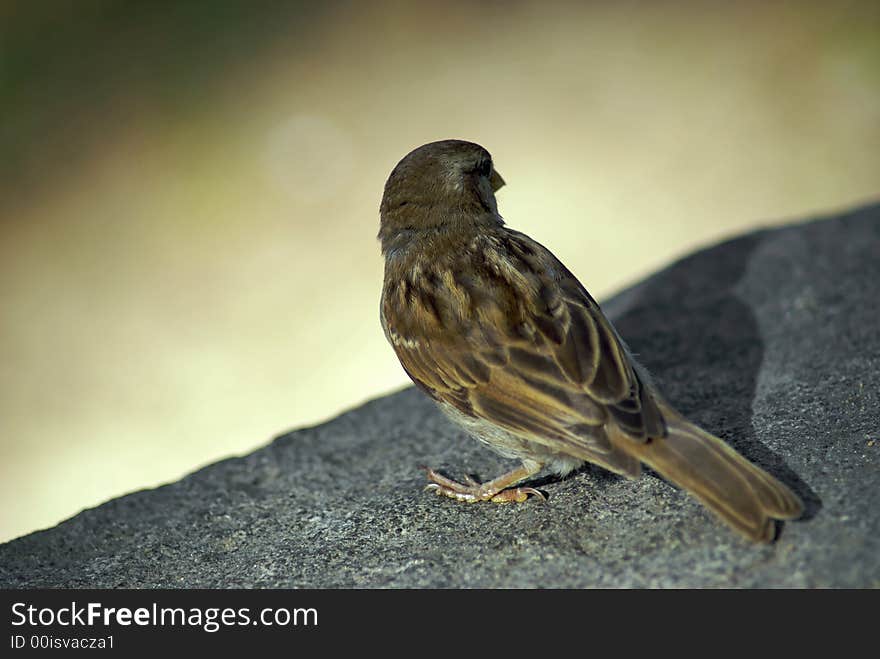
(511, 346)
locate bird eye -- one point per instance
(484, 167)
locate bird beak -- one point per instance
(496, 181)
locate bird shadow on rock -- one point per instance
(702, 345)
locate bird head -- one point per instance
(447, 183)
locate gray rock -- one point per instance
(771, 340)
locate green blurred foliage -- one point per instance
(66, 67)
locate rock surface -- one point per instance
(770, 340)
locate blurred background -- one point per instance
(189, 192)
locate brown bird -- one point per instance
(513, 348)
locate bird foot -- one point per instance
(471, 491)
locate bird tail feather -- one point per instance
(743, 495)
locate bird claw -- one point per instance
(517, 495)
(471, 491)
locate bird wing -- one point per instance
(511, 336)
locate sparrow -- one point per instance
(512, 347)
